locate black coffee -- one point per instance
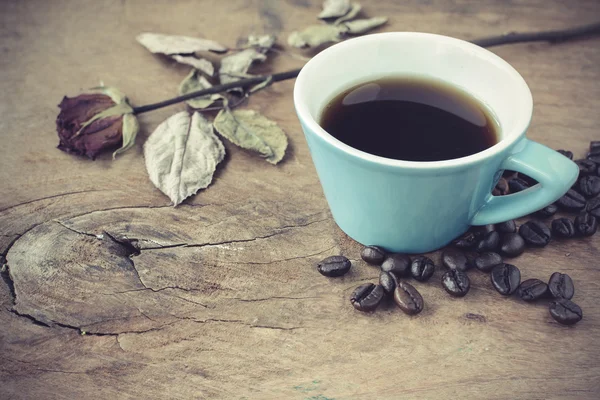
(413, 119)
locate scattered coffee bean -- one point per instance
(456, 282)
(507, 227)
(527, 179)
(487, 261)
(490, 242)
(563, 227)
(589, 186)
(532, 289)
(373, 255)
(488, 228)
(408, 298)
(593, 206)
(367, 297)
(506, 278)
(594, 156)
(501, 188)
(397, 263)
(571, 201)
(512, 245)
(334, 266)
(517, 185)
(471, 256)
(547, 211)
(561, 286)
(594, 145)
(565, 312)
(422, 268)
(566, 153)
(454, 259)
(387, 281)
(586, 224)
(535, 233)
(586, 167)
(468, 239)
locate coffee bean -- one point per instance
(488, 228)
(593, 206)
(532, 289)
(563, 227)
(586, 167)
(517, 185)
(594, 145)
(547, 211)
(566, 153)
(589, 186)
(565, 312)
(373, 255)
(501, 188)
(456, 282)
(507, 227)
(561, 286)
(387, 280)
(509, 174)
(454, 259)
(422, 268)
(506, 278)
(397, 263)
(512, 245)
(487, 261)
(527, 179)
(408, 298)
(471, 256)
(594, 156)
(490, 242)
(535, 233)
(586, 224)
(334, 266)
(571, 201)
(468, 239)
(367, 297)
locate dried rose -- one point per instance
(94, 122)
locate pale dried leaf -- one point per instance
(334, 8)
(182, 155)
(200, 64)
(316, 35)
(253, 131)
(130, 130)
(356, 7)
(266, 83)
(175, 44)
(360, 26)
(194, 82)
(235, 66)
(263, 41)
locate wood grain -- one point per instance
(115, 294)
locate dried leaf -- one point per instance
(266, 83)
(235, 66)
(316, 35)
(360, 26)
(131, 128)
(356, 7)
(264, 42)
(334, 8)
(175, 44)
(182, 155)
(253, 131)
(193, 82)
(200, 64)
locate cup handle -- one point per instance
(554, 172)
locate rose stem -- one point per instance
(509, 38)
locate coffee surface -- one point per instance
(412, 119)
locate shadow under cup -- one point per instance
(409, 206)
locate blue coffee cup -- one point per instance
(417, 207)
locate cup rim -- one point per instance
(507, 140)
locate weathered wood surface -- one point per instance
(223, 301)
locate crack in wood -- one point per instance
(275, 298)
(52, 197)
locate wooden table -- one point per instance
(241, 312)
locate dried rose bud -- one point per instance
(95, 122)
